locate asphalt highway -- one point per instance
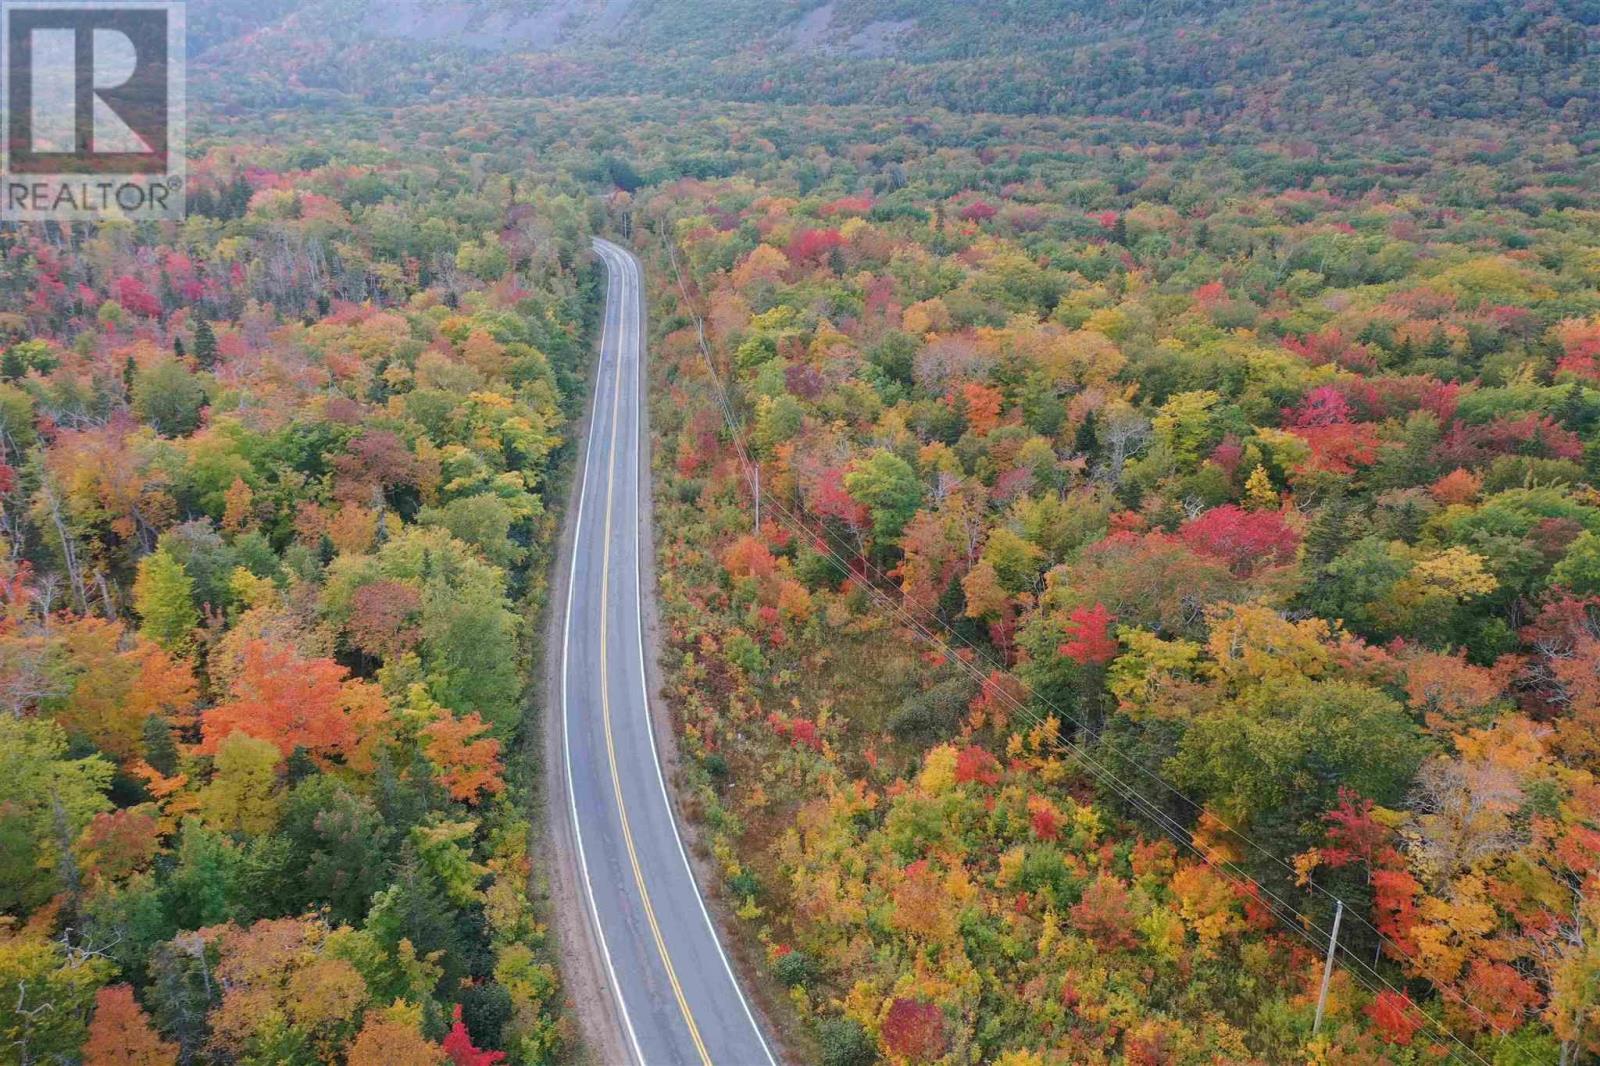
(676, 994)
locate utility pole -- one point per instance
(1327, 967)
(756, 468)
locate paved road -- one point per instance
(676, 993)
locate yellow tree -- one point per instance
(241, 796)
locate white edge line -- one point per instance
(566, 665)
(644, 686)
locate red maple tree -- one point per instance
(1089, 639)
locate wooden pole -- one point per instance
(1327, 968)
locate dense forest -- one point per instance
(1155, 546)
(273, 497)
(1127, 481)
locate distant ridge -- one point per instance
(1273, 65)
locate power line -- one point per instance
(1362, 971)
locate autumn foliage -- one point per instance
(1245, 540)
(1168, 521)
(120, 1033)
(295, 703)
(1168, 570)
(269, 545)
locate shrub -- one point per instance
(795, 969)
(845, 1043)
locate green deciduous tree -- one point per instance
(49, 996)
(46, 799)
(890, 489)
(1292, 743)
(1579, 569)
(163, 595)
(169, 397)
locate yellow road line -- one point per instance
(605, 715)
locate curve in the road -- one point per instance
(675, 990)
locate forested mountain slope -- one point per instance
(1286, 63)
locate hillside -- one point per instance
(1301, 66)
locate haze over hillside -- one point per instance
(1286, 64)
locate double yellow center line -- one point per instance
(605, 681)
